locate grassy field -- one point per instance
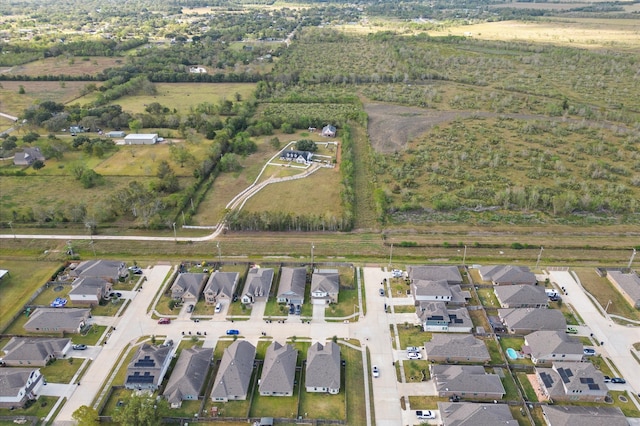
(61, 370)
(604, 291)
(39, 409)
(72, 66)
(35, 92)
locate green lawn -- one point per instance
(628, 408)
(40, 408)
(347, 299)
(494, 351)
(61, 370)
(411, 335)
(509, 387)
(599, 363)
(416, 370)
(518, 413)
(92, 336)
(529, 392)
(275, 406)
(488, 298)
(603, 291)
(515, 343)
(354, 384)
(426, 402)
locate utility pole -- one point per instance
(219, 255)
(464, 255)
(390, 255)
(175, 235)
(14, 232)
(633, 255)
(539, 256)
(312, 247)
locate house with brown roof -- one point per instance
(325, 286)
(258, 285)
(456, 348)
(57, 320)
(552, 345)
(220, 286)
(34, 351)
(470, 414)
(466, 381)
(323, 368)
(188, 286)
(572, 381)
(18, 385)
(293, 282)
(188, 376)
(234, 373)
(278, 370)
(521, 296)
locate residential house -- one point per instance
(329, 131)
(456, 348)
(141, 139)
(439, 291)
(59, 320)
(88, 291)
(27, 156)
(18, 385)
(436, 316)
(628, 285)
(325, 286)
(188, 286)
(234, 373)
(110, 270)
(323, 368)
(470, 414)
(507, 274)
(148, 367)
(521, 296)
(528, 320)
(188, 376)
(552, 345)
(292, 284)
(301, 157)
(258, 285)
(278, 371)
(583, 415)
(220, 286)
(572, 381)
(451, 274)
(34, 350)
(466, 381)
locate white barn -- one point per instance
(141, 139)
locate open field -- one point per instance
(35, 92)
(604, 291)
(62, 65)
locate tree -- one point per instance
(9, 143)
(306, 145)
(86, 416)
(141, 410)
(180, 154)
(37, 165)
(30, 137)
(135, 125)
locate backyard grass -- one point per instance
(538, 416)
(488, 298)
(61, 370)
(270, 406)
(518, 413)
(39, 409)
(525, 385)
(24, 278)
(604, 291)
(515, 343)
(416, 370)
(509, 387)
(479, 319)
(494, 351)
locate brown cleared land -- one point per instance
(61, 65)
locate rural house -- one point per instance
(188, 376)
(59, 320)
(220, 286)
(18, 385)
(88, 291)
(552, 345)
(325, 286)
(507, 274)
(466, 381)
(34, 350)
(438, 291)
(329, 131)
(323, 368)
(528, 320)
(436, 316)
(292, 284)
(470, 414)
(456, 348)
(627, 284)
(258, 285)
(27, 156)
(301, 157)
(583, 415)
(148, 367)
(279, 370)
(110, 270)
(234, 373)
(522, 296)
(450, 274)
(572, 381)
(188, 286)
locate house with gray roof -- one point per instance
(528, 320)
(27, 156)
(257, 285)
(436, 316)
(470, 414)
(188, 376)
(456, 348)
(583, 415)
(88, 291)
(110, 270)
(552, 345)
(57, 320)
(220, 286)
(439, 291)
(521, 296)
(451, 274)
(301, 157)
(466, 381)
(148, 367)
(188, 286)
(292, 284)
(21, 351)
(325, 286)
(234, 373)
(323, 368)
(627, 284)
(329, 131)
(507, 274)
(18, 385)
(572, 381)
(278, 370)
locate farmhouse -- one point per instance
(258, 285)
(220, 286)
(572, 381)
(188, 376)
(18, 385)
(329, 131)
(141, 139)
(450, 274)
(234, 373)
(524, 321)
(323, 368)
(456, 347)
(27, 156)
(188, 286)
(549, 345)
(88, 291)
(301, 157)
(279, 370)
(466, 413)
(507, 274)
(468, 381)
(583, 415)
(325, 285)
(628, 285)
(34, 350)
(148, 367)
(57, 320)
(522, 296)
(292, 284)
(435, 316)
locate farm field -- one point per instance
(62, 65)
(36, 92)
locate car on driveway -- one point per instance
(414, 355)
(190, 308)
(607, 379)
(589, 352)
(79, 347)
(425, 414)
(233, 332)
(619, 380)
(164, 321)
(375, 371)
(572, 330)
(136, 270)
(412, 349)
(218, 308)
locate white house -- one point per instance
(141, 139)
(17, 385)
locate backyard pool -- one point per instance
(512, 354)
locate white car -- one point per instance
(425, 414)
(412, 349)
(414, 355)
(375, 371)
(218, 307)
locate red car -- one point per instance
(164, 321)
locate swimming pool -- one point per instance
(512, 354)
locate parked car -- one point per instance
(79, 347)
(412, 349)
(135, 269)
(589, 351)
(572, 330)
(381, 291)
(375, 371)
(414, 355)
(218, 308)
(619, 380)
(607, 379)
(425, 414)
(164, 321)
(233, 332)
(190, 308)
(297, 312)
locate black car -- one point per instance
(79, 347)
(291, 309)
(618, 380)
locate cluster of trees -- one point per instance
(282, 221)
